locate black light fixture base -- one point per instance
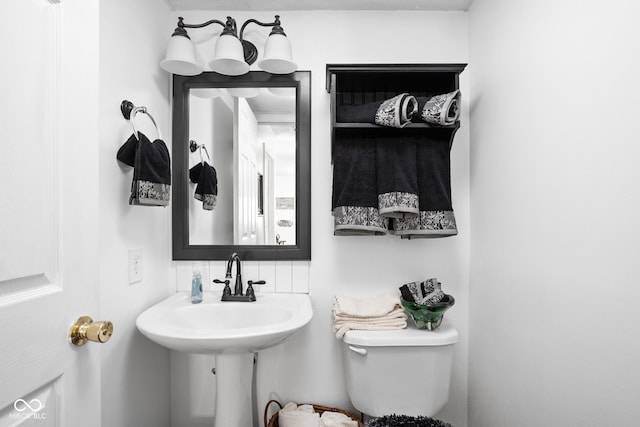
(250, 52)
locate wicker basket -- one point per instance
(273, 421)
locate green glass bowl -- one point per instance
(428, 316)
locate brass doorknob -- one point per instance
(85, 329)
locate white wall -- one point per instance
(555, 207)
(135, 378)
(309, 367)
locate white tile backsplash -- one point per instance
(281, 276)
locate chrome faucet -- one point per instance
(237, 292)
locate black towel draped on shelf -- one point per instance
(396, 183)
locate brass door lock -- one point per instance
(85, 329)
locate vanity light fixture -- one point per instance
(233, 55)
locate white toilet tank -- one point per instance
(404, 372)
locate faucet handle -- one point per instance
(227, 289)
(250, 293)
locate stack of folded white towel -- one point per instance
(377, 313)
(293, 415)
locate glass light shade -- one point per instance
(277, 55)
(283, 92)
(206, 92)
(244, 92)
(229, 57)
(181, 57)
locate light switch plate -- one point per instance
(135, 265)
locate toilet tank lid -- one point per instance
(409, 337)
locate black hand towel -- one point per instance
(151, 185)
(427, 292)
(442, 109)
(394, 112)
(397, 177)
(206, 178)
(355, 197)
(436, 218)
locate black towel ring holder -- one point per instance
(129, 112)
(193, 146)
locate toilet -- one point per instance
(403, 371)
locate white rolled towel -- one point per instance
(337, 419)
(293, 415)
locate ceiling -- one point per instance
(319, 4)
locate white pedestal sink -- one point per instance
(233, 331)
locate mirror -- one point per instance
(241, 158)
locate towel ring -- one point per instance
(129, 112)
(193, 146)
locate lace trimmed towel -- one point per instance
(436, 217)
(442, 109)
(378, 313)
(397, 176)
(355, 195)
(151, 184)
(206, 178)
(426, 292)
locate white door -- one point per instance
(245, 174)
(48, 211)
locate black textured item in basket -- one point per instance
(406, 421)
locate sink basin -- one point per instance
(233, 331)
(215, 327)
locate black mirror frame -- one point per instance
(182, 250)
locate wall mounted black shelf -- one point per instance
(357, 84)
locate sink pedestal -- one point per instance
(234, 379)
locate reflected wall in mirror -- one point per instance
(246, 186)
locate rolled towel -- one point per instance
(393, 112)
(337, 419)
(443, 109)
(427, 292)
(292, 415)
(397, 112)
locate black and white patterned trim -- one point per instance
(427, 224)
(151, 193)
(442, 109)
(209, 201)
(355, 220)
(397, 112)
(398, 204)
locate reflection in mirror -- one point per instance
(246, 185)
(251, 131)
